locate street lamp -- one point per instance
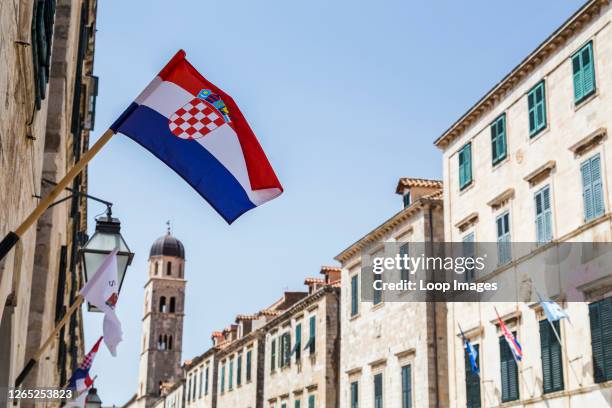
(93, 400)
(105, 239)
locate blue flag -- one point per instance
(552, 310)
(472, 353)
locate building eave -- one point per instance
(558, 38)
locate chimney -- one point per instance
(411, 189)
(332, 274)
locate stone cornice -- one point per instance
(556, 40)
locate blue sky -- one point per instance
(345, 96)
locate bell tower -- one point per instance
(162, 324)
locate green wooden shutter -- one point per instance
(311, 401)
(297, 403)
(222, 378)
(472, 380)
(239, 370)
(468, 251)
(406, 386)
(378, 391)
(404, 250)
(355, 394)
(509, 372)
(273, 356)
(583, 73)
(502, 224)
(552, 363)
(536, 100)
(354, 294)
(298, 342)
(231, 374)
(592, 188)
(465, 166)
(313, 332)
(498, 139)
(543, 215)
(206, 382)
(248, 366)
(600, 315)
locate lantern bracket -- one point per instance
(109, 205)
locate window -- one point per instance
(311, 338)
(156, 268)
(354, 294)
(378, 391)
(536, 102)
(206, 381)
(284, 405)
(170, 343)
(297, 349)
(162, 304)
(406, 199)
(43, 18)
(239, 370)
(600, 315)
(285, 351)
(169, 268)
(222, 378)
(465, 166)
(584, 73)
(355, 394)
(201, 383)
(472, 380)
(195, 386)
(552, 365)
(297, 403)
(404, 250)
(231, 375)
(509, 371)
(468, 250)
(248, 365)
(377, 298)
(172, 304)
(592, 190)
(406, 386)
(498, 139)
(504, 248)
(311, 401)
(188, 388)
(273, 355)
(543, 215)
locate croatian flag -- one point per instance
(198, 130)
(80, 380)
(513, 343)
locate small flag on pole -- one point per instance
(552, 310)
(513, 343)
(102, 291)
(472, 353)
(80, 380)
(198, 131)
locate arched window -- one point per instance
(162, 304)
(172, 304)
(160, 343)
(181, 271)
(170, 343)
(169, 268)
(156, 268)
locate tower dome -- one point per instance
(167, 245)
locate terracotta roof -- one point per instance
(556, 40)
(317, 281)
(434, 196)
(408, 182)
(325, 268)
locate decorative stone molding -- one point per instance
(406, 353)
(501, 199)
(511, 318)
(377, 363)
(472, 333)
(540, 173)
(467, 221)
(589, 142)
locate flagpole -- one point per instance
(11, 239)
(35, 358)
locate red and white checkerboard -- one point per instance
(194, 120)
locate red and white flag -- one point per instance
(102, 291)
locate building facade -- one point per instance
(48, 110)
(393, 352)
(530, 163)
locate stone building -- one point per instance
(529, 163)
(162, 324)
(393, 351)
(302, 348)
(47, 112)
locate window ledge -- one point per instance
(536, 136)
(466, 188)
(540, 173)
(378, 305)
(355, 317)
(589, 142)
(467, 221)
(586, 100)
(501, 199)
(500, 163)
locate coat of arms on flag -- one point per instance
(200, 116)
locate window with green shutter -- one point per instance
(406, 199)
(231, 375)
(472, 380)
(284, 405)
(355, 394)
(377, 293)
(584, 73)
(498, 139)
(206, 382)
(273, 355)
(404, 249)
(509, 371)
(311, 401)
(543, 216)
(552, 363)
(592, 189)
(312, 335)
(536, 101)
(248, 365)
(504, 251)
(378, 391)
(600, 316)
(468, 250)
(297, 403)
(354, 294)
(201, 384)
(222, 378)
(239, 370)
(43, 18)
(297, 349)
(407, 386)
(465, 166)
(285, 351)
